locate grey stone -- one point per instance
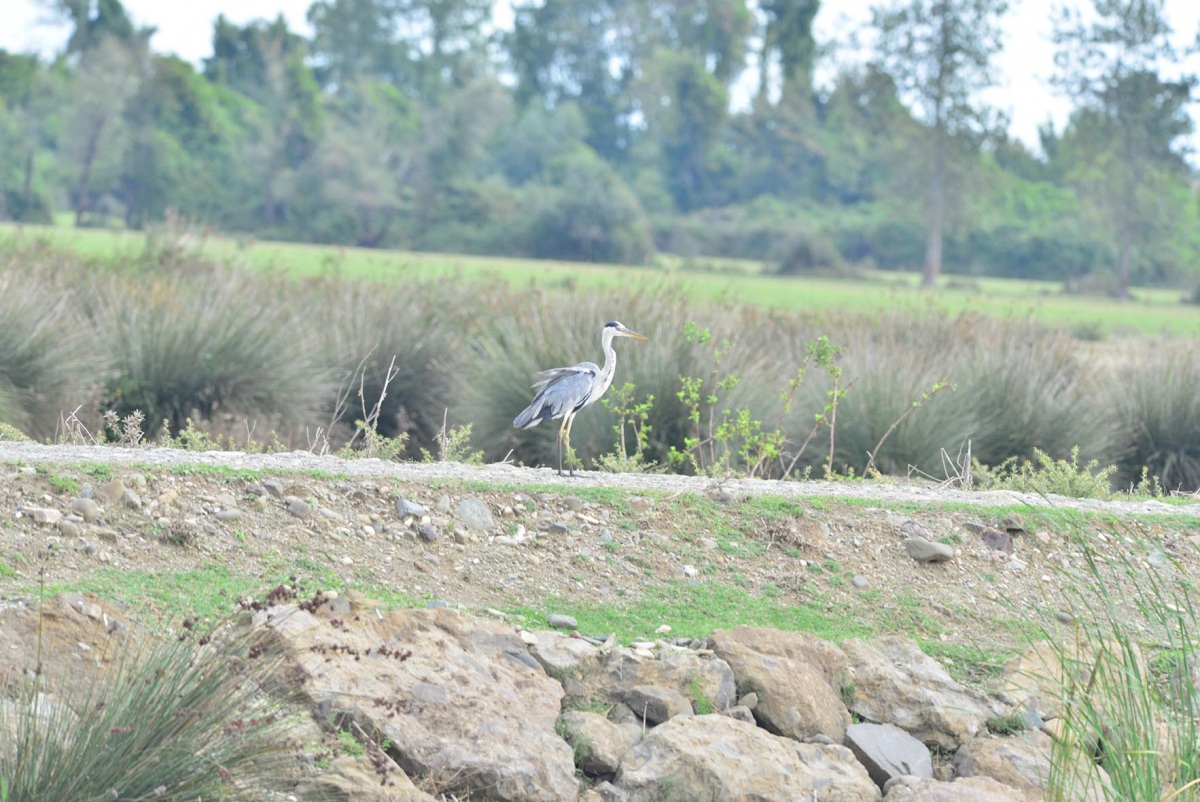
(274, 487)
(86, 508)
(963, 789)
(227, 515)
(557, 528)
(69, 528)
(298, 507)
(131, 500)
(559, 621)
(925, 551)
(573, 503)
(750, 700)
(886, 751)
(474, 514)
(1014, 525)
(720, 757)
(427, 532)
(995, 539)
(861, 582)
(741, 713)
(405, 508)
(656, 705)
(43, 515)
(599, 743)
(896, 683)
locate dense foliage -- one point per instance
(609, 130)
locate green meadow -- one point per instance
(1153, 311)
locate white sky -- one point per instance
(185, 28)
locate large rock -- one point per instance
(718, 757)
(896, 683)
(656, 705)
(456, 698)
(1045, 671)
(888, 752)
(351, 779)
(611, 676)
(797, 679)
(967, 789)
(1022, 762)
(599, 743)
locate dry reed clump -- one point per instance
(192, 343)
(1014, 386)
(359, 331)
(1153, 393)
(187, 718)
(42, 353)
(517, 334)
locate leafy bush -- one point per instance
(1048, 476)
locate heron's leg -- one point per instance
(561, 429)
(570, 453)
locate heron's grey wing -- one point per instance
(559, 391)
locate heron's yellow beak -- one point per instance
(635, 335)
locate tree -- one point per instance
(939, 52)
(93, 21)
(787, 42)
(368, 158)
(107, 77)
(1130, 121)
(265, 61)
(583, 52)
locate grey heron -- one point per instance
(562, 392)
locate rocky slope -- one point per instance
(641, 700)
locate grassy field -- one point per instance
(1153, 311)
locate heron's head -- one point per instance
(621, 330)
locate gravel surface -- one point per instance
(884, 493)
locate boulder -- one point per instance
(718, 757)
(887, 752)
(354, 779)
(656, 705)
(1022, 762)
(796, 679)
(611, 676)
(896, 683)
(462, 710)
(966, 789)
(599, 743)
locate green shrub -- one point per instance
(1046, 476)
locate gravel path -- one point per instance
(884, 493)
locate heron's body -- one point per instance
(562, 392)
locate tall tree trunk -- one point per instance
(85, 176)
(1124, 265)
(27, 187)
(936, 221)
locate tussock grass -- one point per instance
(183, 719)
(197, 342)
(42, 356)
(177, 337)
(1128, 696)
(357, 329)
(1154, 394)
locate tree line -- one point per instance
(603, 130)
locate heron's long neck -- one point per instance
(610, 357)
